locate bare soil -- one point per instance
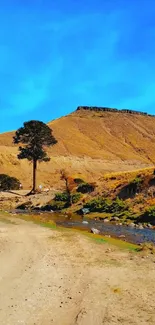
(13, 199)
(62, 277)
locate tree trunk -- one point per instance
(70, 199)
(34, 175)
(69, 193)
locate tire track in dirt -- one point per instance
(60, 277)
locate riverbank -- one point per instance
(124, 225)
(112, 233)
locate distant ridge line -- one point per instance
(114, 110)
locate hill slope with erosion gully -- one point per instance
(90, 143)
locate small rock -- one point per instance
(106, 220)
(115, 218)
(85, 210)
(140, 227)
(85, 222)
(131, 225)
(95, 231)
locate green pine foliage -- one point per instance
(35, 136)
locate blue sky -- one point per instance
(57, 55)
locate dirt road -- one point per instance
(62, 278)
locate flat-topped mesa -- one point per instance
(113, 110)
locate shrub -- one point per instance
(140, 200)
(76, 197)
(151, 211)
(149, 215)
(64, 197)
(130, 190)
(55, 206)
(137, 180)
(119, 205)
(61, 197)
(8, 183)
(112, 178)
(106, 205)
(86, 188)
(126, 215)
(99, 205)
(59, 205)
(79, 181)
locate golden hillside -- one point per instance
(90, 143)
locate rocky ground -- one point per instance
(62, 277)
(11, 200)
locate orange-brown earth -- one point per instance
(90, 143)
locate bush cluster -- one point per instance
(86, 188)
(138, 180)
(64, 197)
(62, 201)
(61, 197)
(76, 197)
(149, 215)
(8, 183)
(106, 205)
(79, 181)
(55, 206)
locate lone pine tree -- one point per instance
(35, 136)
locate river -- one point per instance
(133, 235)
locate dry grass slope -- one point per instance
(90, 143)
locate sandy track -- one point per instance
(62, 278)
